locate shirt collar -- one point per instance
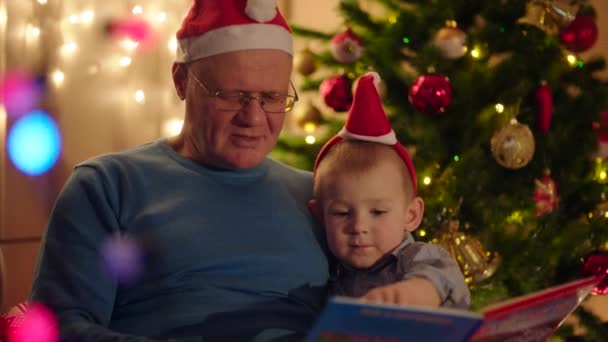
(394, 255)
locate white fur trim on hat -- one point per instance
(234, 38)
(387, 139)
(261, 10)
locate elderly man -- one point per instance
(230, 251)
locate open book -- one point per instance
(532, 317)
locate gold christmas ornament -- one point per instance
(304, 62)
(308, 117)
(546, 15)
(477, 264)
(513, 146)
(451, 41)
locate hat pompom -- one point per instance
(261, 10)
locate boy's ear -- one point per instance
(315, 211)
(414, 213)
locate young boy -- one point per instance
(365, 196)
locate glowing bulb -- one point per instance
(125, 61)
(572, 59)
(69, 48)
(161, 17)
(140, 96)
(58, 77)
(606, 214)
(500, 108)
(74, 19)
(427, 181)
(172, 127)
(42, 2)
(310, 127)
(603, 175)
(137, 9)
(392, 19)
(456, 158)
(87, 17)
(33, 31)
(422, 232)
(129, 44)
(475, 53)
(172, 44)
(311, 140)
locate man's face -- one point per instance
(234, 139)
(365, 214)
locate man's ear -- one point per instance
(315, 211)
(414, 213)
(180, 79)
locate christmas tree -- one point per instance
(505, 122)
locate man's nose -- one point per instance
(252, 113)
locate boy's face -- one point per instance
(366, 214)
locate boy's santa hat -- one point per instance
(367, 121)
(213, 27)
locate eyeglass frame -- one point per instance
(245, 97)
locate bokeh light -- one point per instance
(34, 143)
(37, 324)
(122, 258)
(134, 29)
(20, 93)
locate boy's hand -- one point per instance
(417, 291)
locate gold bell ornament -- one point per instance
(476, 263)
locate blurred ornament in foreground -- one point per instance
(20, 93)
(431, 93)
(347, 47)
(134, 29)
(451, 41)
(596, 264)
(513, 146)
(304, 62)
(34, 143)
(476, 263)
(581, 34)
(544, 104)
(545, 194)
(308, 117)
(33, 322)
(337, 93)
(122, 258)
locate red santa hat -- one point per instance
(367, 121)
(213, 27)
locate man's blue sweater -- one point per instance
(230, 255)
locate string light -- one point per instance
(427, 181)
(33, 31)
(392, 19)
(500, 108)
(125, 61)
(310, 127)
(172, 44)
(140, 96)
(310, 140)
(456, 158)
(129, 44)
(42, 2)
(476, 53)
(422, 233)
(603, 175)
(572, 60)
(87, 17)
(74, 19)
(69, 48)
(161, 17)
(137, 9)
(57, 77)
(172, 127)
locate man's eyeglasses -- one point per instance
(230, 100)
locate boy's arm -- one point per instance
(431, 278)
(435, 264)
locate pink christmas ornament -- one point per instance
(347, 47)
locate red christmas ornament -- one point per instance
(545, 194)
(544, 105)
(596, 264)
(337, 93)
(581, 34)
(600, 128)
(431, 93)
(347, 47)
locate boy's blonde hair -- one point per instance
(355, 157)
